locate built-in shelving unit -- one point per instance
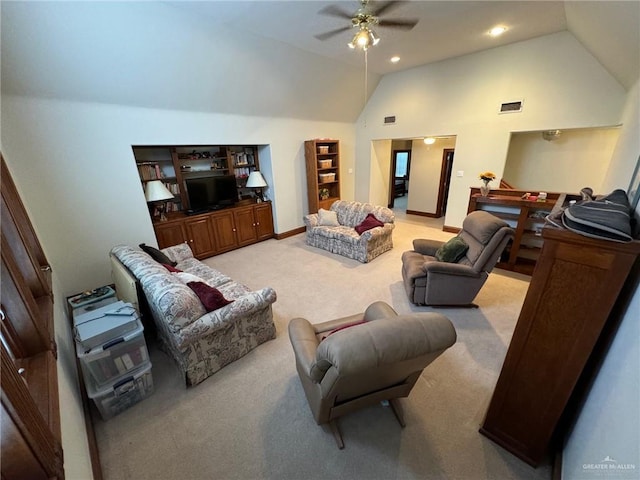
(207, 233)
(323, 172)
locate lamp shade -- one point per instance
(256, 180)
(155, 191)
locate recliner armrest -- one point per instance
(305, 344)
(450, 269)
(426, 246)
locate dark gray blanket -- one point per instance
(606, 218)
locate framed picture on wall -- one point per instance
(633, 192)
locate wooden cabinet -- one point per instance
(224, 229)
(570, 299)
(527, 218)
(201, 236)
(245, 226)
(264, 220)
(170, 233)
(323, 172)
(216, 232)
(30, 412)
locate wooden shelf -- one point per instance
(313, 151)
(524, 216)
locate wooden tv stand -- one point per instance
(218, 231)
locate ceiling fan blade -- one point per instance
(327, 35)
(400, 24)
(335, 11)
(386, 7)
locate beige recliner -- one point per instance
(428, 281)
(379, 358)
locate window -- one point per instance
(402, 164)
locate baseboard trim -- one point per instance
(290, 233)
(422, 214)
(449, 229)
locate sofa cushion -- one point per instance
(210, 297)
(171, 268)
(327, 218)
(368, 223)
(452, 251)
(157, 255)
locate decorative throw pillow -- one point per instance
(368, 223)
(157, 255)
(210, 297)
(186, 277)
(328, 218)
(452, 251)
(171, 268)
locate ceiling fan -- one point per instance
(364, 19)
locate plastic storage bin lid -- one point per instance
(121, 386)
(102, 350)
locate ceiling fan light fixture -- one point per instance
(497, 31)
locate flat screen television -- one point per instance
(211, 192)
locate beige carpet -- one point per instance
(251, 419)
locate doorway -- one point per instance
(400, 170)
(445, 181)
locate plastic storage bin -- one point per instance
(102, 365)
(122, 394)
(327, 177)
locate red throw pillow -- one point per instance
(352, 324)
(210, 297)
(171, 268)
(368, 223)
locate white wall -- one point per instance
(424, 179)
(74, 165)
(562, 85)
(576, 159)
(609, 423)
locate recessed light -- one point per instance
(395, 59)
(429, 140)
(497, 31)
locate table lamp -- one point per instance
(156, 192)
(256, 180)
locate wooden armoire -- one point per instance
(574, 288)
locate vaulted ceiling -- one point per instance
(262, 57)
(445, 29)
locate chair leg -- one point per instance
(396, 406)
(336, 433)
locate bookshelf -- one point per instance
(323, 172)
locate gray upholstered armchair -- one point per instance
(378, 357)
(429, 281)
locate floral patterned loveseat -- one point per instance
(343, 239)
(201, 343)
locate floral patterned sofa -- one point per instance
(343, 238)
(201, 343)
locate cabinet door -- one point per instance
(245, 226)
(170, 233)
(264, 221)
(201, 236)
(225, 231)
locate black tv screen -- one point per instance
(211, 192)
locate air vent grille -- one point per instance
(511, 107)
(389, 120)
